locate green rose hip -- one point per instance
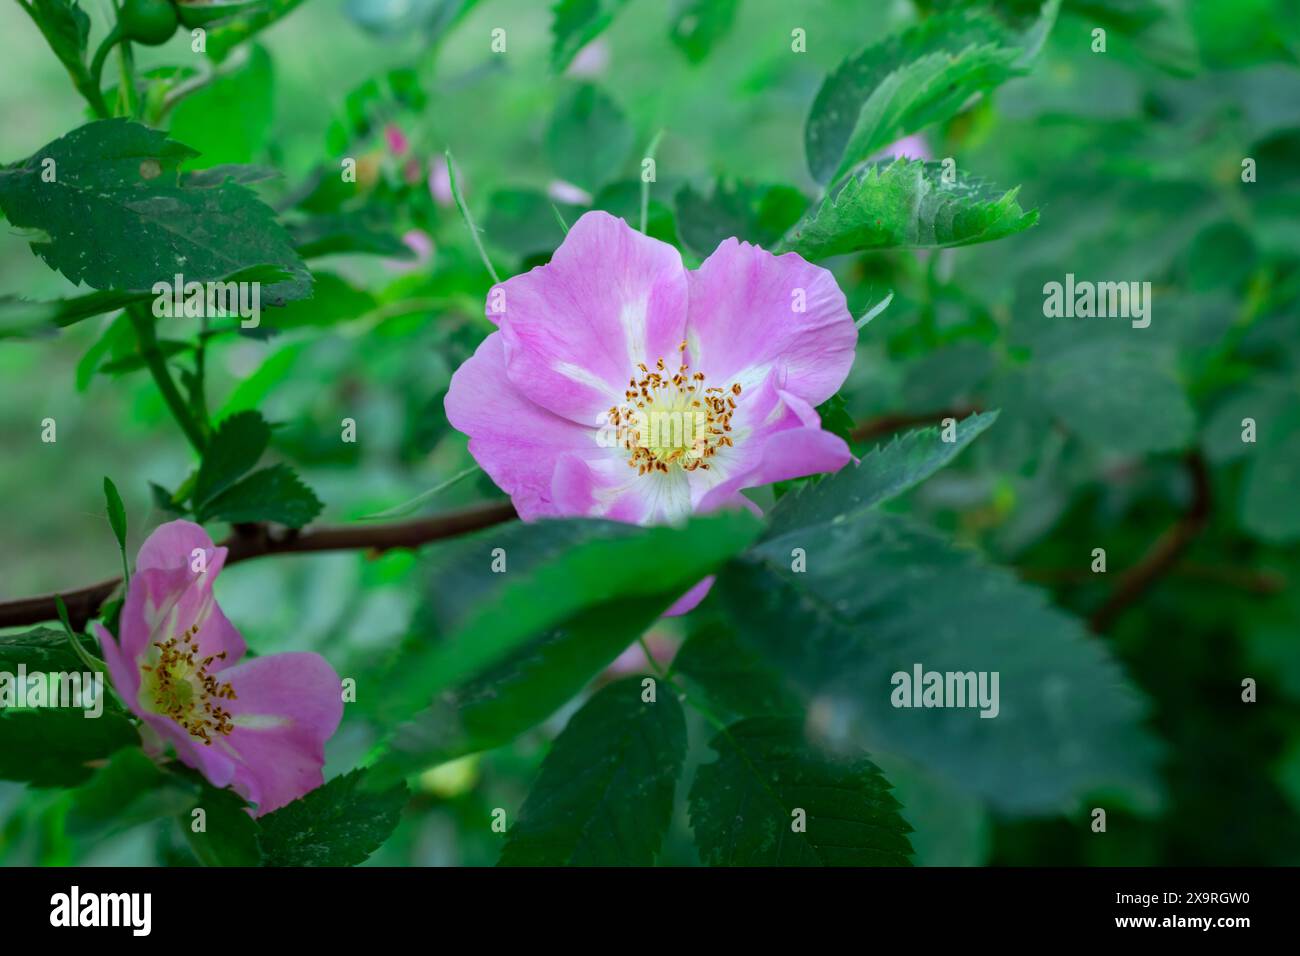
(150, 22)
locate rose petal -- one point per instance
(576, 328)
(743, 324)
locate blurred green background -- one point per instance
(1133, 158)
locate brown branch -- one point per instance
(1166, 552)
(256, 541)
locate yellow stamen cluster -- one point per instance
(181, 688)
(673, 419)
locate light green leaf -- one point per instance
(604, 796)
(698, 25)
(577, 23)
(907, 204)
(900, 84)
(770, 799)
(229, 120)
(588, 138)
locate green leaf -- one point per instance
(512, 647)
(519, 692)
(1269, 505)
(129, 790)
(588, 138)
(886, 472)
(229, 120)
(334, 301)
(902, 83)
(66, 28)
(698, 25)
(351, 232)
(907, 204)
(234, 448)
(577, 23)
(230, 33)
(879, 596)
(522, 221)
(229, 835)
(744, 806)
(604, 796)
(116, 516)
(271, 494)
(834, 413)
(1124, 398)
(42, 649)
(751, 212)
(23, 318)
(554, 571)
(732, 675)
(339, 824)
(59, 747)
(117, 217)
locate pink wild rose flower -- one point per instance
(258, 726)
(620, 385)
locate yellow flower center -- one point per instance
(673, 421)
(178, 686)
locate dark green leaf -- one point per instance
(117, 217)
(1124, 398)
(339, 824)
(886, 472)
(271, 494)
(879, 596)
(235, 447)
(339, 233)
(59, 747)
(116, 514)
(733, 676)
(744, 805)
(605, 793)
(753, 213)
(225, 834)
(514, 646)
(41, 649)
